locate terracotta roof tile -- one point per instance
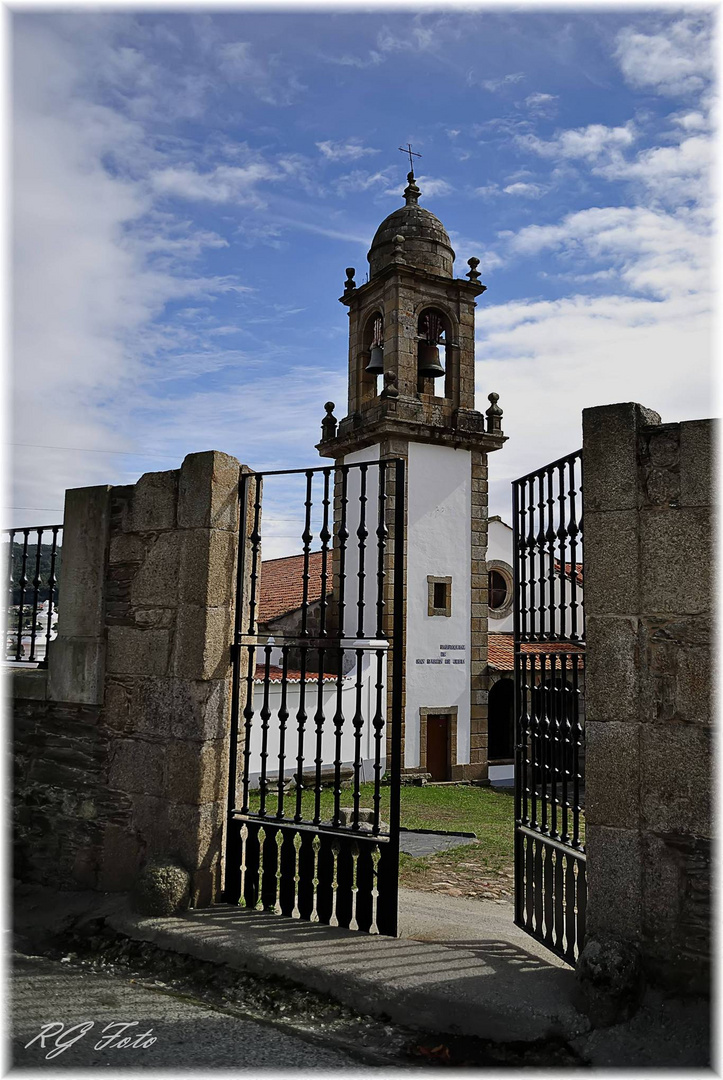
(282, 585)
(275, 674)
(501, 650)
(568, 570)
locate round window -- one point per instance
(497, 589)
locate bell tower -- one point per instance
(411, 393)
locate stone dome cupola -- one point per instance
(426, 243)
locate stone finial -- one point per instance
(328, 424)
(473, 275)
(398, 249)
(411, 191)
(494, 415)
(350, 283)
(391, 390)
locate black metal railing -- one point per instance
(33, 574)
(313, 725)
(549, 632)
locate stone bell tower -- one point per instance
(411, 395)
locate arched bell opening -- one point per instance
(435, 350)
(371, 367)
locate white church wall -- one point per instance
(499, 549)
(328, 744)
(439, 545)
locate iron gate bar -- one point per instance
(37, 584)
(361, 866)
(550, 886)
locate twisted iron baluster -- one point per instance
(573, 531)
(51, 590)
(325, 537)
(11, 584)
(264, 715)
(307, 536)
(562, 539)
(283, 717)
(362, 534)
(319, 721)
(36, 590)
(358, 724)
(382, 534)
(22, 582)
(550, 540)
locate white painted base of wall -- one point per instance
(501, 772)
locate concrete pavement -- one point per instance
(459, 966)
(166, 1031)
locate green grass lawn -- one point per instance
(483, 870)
(470, 870)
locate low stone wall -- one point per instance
(122, 745)
(63, 802)
(649, 561)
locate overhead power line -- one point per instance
(92, 450)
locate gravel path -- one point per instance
(419, 843)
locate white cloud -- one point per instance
(268, 77)
(677, 59)
(373, 59)
(525, 190)
(348, 151)
(360, 180)
(225, 183)
(465, 247)
(534, 101)
(674, 174)
(493, 85)
(430, 186)
(654, 252)
(95, 264)
(548, 360)
(690, 121)
(487, 191)
(588, 143)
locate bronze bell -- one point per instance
(376, 361)
(429, 365)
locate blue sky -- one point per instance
(189, 188)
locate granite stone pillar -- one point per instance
(170, 607)
(76, 658)
(648, 599)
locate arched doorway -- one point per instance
(500, 721)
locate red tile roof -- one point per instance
(501, 650)
(275, 674)
(282, 586)
(568, 570)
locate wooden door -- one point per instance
(438, 747)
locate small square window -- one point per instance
(439, 600)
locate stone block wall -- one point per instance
(143, 770)
(649, 559)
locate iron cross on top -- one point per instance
(411, 155)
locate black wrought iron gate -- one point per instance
(549, 632)
(313, 815)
